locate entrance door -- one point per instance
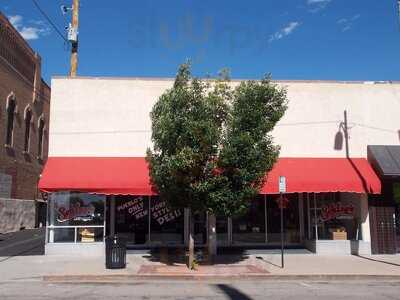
(290, 217)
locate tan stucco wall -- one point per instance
(110, 117)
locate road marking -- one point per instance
(308, 286)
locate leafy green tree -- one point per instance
(212, 146)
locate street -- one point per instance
(245, 290)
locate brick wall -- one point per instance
(31, 92)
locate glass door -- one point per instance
(290, 217)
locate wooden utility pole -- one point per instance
(74, 44)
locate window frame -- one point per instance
(41, 134)
(27, 141)
(10, 133)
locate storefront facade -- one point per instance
(98, 183)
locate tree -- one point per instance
(212, 146)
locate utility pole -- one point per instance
(73, 37)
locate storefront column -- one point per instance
(112, 215)
(212, 236)
(364, 218)
(50, 220)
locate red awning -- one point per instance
(100, 175)
(130, 175)
(317, 175)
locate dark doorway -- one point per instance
(131, 219)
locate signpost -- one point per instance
(282, 190)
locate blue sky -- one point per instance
(292, 39)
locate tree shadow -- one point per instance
(178, 255)
(36, 250)
(232, 293)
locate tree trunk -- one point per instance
(212, 238)
(191, 241)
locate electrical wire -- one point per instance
(49, 20)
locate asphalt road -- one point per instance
(24, 242)
(246, 290)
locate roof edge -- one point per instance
(232, 80)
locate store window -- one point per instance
(200, 228)
(333, 216)
(167, 224)
(75, 217)
(250, 228)
(132, 219)
(222, 229)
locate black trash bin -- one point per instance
(115, 253)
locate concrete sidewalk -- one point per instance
(139, 266)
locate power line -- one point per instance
(49, 20)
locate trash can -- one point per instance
(115, 253)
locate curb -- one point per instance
(214, 277)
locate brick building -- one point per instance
(24, 115)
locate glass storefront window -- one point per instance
(75, 217)
(221, 228)
(167, 225)
(200, 228)
(132, 218)
(64, 235)
(334, 216)
(250, 228)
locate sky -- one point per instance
(291, 39)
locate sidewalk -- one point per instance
(256, 266)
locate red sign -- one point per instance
(336, 211)
(66, 214)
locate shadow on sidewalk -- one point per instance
(37, 250)
(377, 260)
(178, 255)
(232, 293)
(268, 262)
(22, 243)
